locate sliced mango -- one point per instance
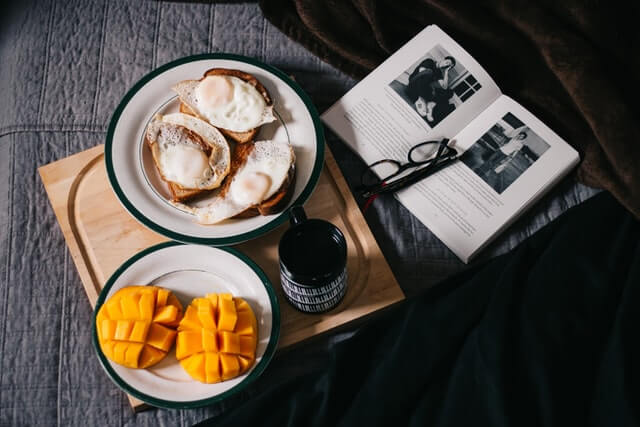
(123, 329)
(247, 346)
(245, 363)
(129, 306)
(212, 368)
(189, 342)
(213, 298)
(108, 329)
(133, 331)
(146, 306)
(209, 340)
(227, 315)
(161, 297)
(229, 365)
(166, 315)
(205, 313)
(245, 323)
(139, 331)
(224, 331)
(195, 365)
(190, 321)
(150, 356)
(161, 337)
(229, 342)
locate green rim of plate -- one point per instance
(236, 238)
(169, 404)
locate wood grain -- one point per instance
(101, 235)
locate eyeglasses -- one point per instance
(420, 156)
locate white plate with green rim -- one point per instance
(135, 180)
(192, 271)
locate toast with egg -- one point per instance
(190, 155)
(187, 92)
(273, 204)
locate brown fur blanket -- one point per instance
(573, 64)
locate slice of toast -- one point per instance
(273, 204)
(178, 193)
(239, 137)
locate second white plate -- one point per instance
(192, 271)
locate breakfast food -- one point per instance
(217, 338)
(260, 181)
(136, 326)
(190, 155)
(233, 101)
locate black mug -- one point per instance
(313, 263)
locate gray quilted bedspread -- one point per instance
(64, 65)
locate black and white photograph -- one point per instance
(435, 85)
(504, 152)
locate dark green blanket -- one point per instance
(573, 63)
(544, 335)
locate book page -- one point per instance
(429, 89)
(510, 159)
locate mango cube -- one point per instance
(160, 337)
(229, 342)
(108, 329)
(190, 321)
(205, 313)
(212, 368)
(150, 356)
(229, 365)
(166, 315)
(247, 346)
(129, 307)
(189, 342)
(195, 366)
(227, 315)
(123, 329)
(139, 331)
(245, 363)
(161, 297)
(244, 324)
(209, 340)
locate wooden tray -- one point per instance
(101, 235)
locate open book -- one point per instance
(432, 89)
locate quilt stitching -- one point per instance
(96, 98)
(212, 17)
(9, 256)
(46, 62)
(50, 127)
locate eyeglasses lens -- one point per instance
(423, 152)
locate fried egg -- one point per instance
(188, 151)
(263, 169)
(226, 102)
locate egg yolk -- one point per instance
(185, 165)
(213, 92)
(251, 188)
